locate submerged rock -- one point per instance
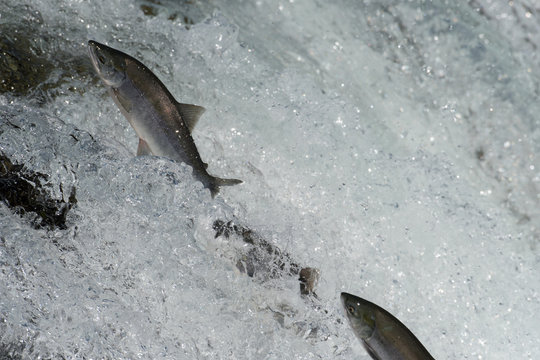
(34, 63)
(11, 351)
(186, 12)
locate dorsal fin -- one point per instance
(190, 114)
(143, 148)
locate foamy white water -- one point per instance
(392, 145)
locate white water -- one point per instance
(392, 145)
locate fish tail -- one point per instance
(218, 182)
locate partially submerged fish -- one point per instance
(257, 257)
(261, 260)
(163, 125)
(384, 337)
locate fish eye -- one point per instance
(101, 59)
(350, 309)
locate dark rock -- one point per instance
(24, 191)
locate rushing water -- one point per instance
(391, 144)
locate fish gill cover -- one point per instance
(391, 145)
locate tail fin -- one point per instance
(218, 182)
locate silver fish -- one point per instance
(163, 125)
(384, 337)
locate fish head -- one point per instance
(109, 63)
(361, 315)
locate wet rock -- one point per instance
(25, 192)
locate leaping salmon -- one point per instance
(384, 337)
(163, 125)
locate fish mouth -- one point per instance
(93, 48)
(345, 297)
(98, 56)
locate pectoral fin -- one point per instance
(371, 351)
(190, 114)
(122, 100)
(143, 148)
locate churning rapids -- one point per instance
(391, 145)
